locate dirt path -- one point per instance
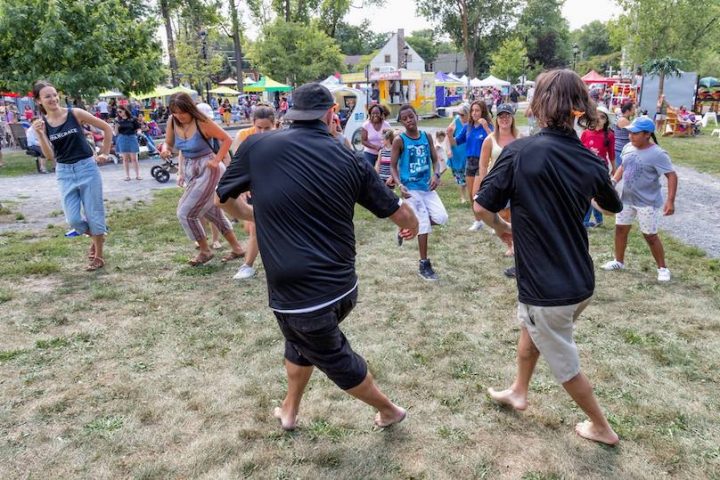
(37, 197)
(696, 221)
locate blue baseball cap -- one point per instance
(641, 124)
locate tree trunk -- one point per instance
(236, 44)
(661, 85)
(165, 12)
(287, 10)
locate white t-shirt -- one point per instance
(32, 138)
(102, 106)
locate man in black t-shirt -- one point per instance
(550, 180)
(304, 187)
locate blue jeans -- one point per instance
(596, 213)
(150, 143)
(81, 191)
(371, 158)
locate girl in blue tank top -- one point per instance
(62, 138)
(200, 170)
(458, 159)
(416, 170)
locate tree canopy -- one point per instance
(79, 46)
(475, 26)
(295, 52)
(546, 33)
(508, 61)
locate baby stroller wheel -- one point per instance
(162, 176)
(154, 170)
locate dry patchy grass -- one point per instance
(151, 369)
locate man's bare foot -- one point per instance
(384, 421)
(287, 422)
(509, 397)
(587, 430)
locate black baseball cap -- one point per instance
(310, 102)
(505, 108)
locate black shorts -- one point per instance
(315, 339)
(472, 166)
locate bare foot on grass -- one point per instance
(287, 422)
(587, 430)
(386, 420)
(509, 397)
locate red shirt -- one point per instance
(594, 140)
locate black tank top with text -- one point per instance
(68, 140)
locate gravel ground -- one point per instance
(696, 221)
(37, 196)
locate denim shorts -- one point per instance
(81, 192)
(315, 339)
(127, 144)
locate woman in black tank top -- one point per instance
(62, 138)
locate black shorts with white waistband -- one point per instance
(315, 339)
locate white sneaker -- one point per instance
(613, 265)
(477, 225)
(245, 271)
(663, 275)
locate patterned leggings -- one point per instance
(197, 201)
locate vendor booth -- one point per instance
(397, 87)
(448, 90)
(352, 110)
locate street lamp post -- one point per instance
(203, 37)
(576, 51)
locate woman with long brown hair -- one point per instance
(473, 134)
(62, 139)
(190, 132)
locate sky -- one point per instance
(401, 14)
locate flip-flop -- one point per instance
(91, 253)
(200, 259)
(232, 256)
(127, 179)
(386, 425)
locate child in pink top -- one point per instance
(601, 141)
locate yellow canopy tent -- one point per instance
(158, 92)
(225, 91)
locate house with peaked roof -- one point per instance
(397, 53)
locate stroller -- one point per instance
(162, 172)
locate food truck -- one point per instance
(396, 87)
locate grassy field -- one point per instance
(151, 369)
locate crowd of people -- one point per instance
(301, 223)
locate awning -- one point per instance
(227, 91)
(158, 92)
(594, 77)
(267, 84)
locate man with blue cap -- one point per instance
(644, 163)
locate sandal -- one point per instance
(200, 259)
(127, 179)
(232, 256)
(91, 253)
(95, 264)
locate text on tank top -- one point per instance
(68, 140)
(415, 162)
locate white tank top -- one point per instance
(495, 152)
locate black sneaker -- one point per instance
(426, 271)
(510, 272)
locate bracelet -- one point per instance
(437, 175)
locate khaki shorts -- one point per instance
(551, 330)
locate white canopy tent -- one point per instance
(464, 79)
(330, 81)
(476, 82)
(492, 81)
